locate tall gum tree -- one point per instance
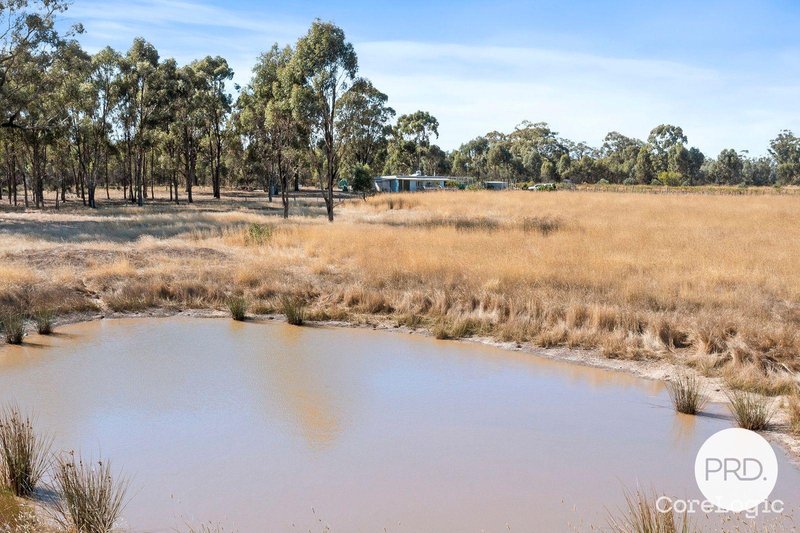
(326, 66)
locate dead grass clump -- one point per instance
(294, 308)
(642, 515)
(604, 318)
(669, 334)
(542, 225)
(23, 452)
(16, 516)
(392, 201)
(751, 378)
(793, 405)
(410, 320)
(13, 326)
(552, 336)
(710, 339)
(751, 411)
(90, 499)
(238, 308)
(686, 393)
(577, 316)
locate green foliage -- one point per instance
(258, 234)
(670, 179)
(238, 307)
(294, 308)
(362, 179)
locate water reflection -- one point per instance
(253, 425)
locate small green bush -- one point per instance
(238, 308)
(258, 234)
(295, 310)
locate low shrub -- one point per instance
(258, 234)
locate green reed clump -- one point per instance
(687, 394)
(295, 310)
(238, 308)
(751, 411)
(91, 499)
(44, 321)
(23, 453)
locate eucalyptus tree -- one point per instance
(326, 65)
(141, 100)
(662, 138)
(211, 74)
(27, 30)
(785, 149)
(363, 121)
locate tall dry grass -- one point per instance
(91, 499)
(708, 279)
(24, 453)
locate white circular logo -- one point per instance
(736, 469)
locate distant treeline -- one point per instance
(73, 122)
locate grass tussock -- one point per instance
(751, 411)
(24, 453)
(749, 378)
(687, 394)
(91, 499)
(793, 406)
(16, 516)
(294, 308)
(12, 324)
(238, 308)
(642, 515)
(258, 234)
(44, 321)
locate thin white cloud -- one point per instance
(474, 89)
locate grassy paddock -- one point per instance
(708, 279)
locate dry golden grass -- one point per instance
(709, 279)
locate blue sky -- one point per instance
(728, 72)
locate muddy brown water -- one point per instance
(270, 427)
